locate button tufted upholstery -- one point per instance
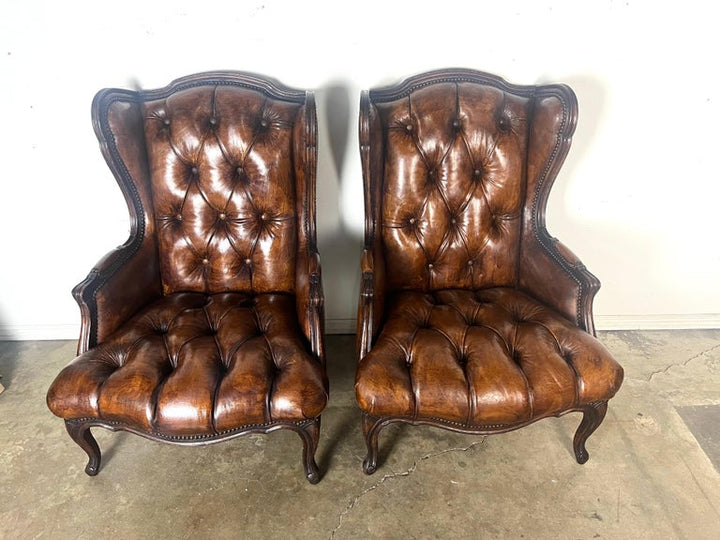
(243, 356)
(452, 201)
(471, 316)
(207, 323)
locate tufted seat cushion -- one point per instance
(481, 357)
(197, 364)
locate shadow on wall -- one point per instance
(339, 248)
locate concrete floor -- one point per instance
(648, 477)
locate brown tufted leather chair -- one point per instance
(471, 317)
(207, 323)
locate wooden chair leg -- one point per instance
(310, 436)
(80, 433)
(371, 428)
(593, 416)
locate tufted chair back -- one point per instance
(218, 172)
(460, 171)
(223, 188)
(454, 185)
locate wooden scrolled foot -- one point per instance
(371, 428)
(310, 436)
(593, 416)
(80, 433)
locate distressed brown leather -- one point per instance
(471, 316)
(209, 319)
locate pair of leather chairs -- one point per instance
(207, 323)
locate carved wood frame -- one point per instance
(309, 431)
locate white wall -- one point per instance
(637, 199)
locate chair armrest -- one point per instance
(370, 305)
(123, 281)
(554, 274)
(311, 302)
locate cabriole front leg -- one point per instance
(593, 416)
(371, 427)
(310, 435)
(80, 433)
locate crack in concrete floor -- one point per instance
(684, 363)
(386, 477)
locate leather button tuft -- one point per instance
(470, 263)
(213, 121)
(240, 170)
(453, 221)
(430, 266)
(477, 172)
(411, 221)
(206, 262)
(504, 123)
(248, 261)
(194, 170)
(263, 123)
(456, 124)
(222, 216)
(178, 217)
(166, 121)
(408, 127)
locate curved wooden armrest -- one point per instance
(370, 305)
(311, 302)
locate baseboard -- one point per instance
(684, 321)
(28, 332)
(340, 326)
(38, 332)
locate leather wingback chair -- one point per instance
(471, 316)
(207, 323)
